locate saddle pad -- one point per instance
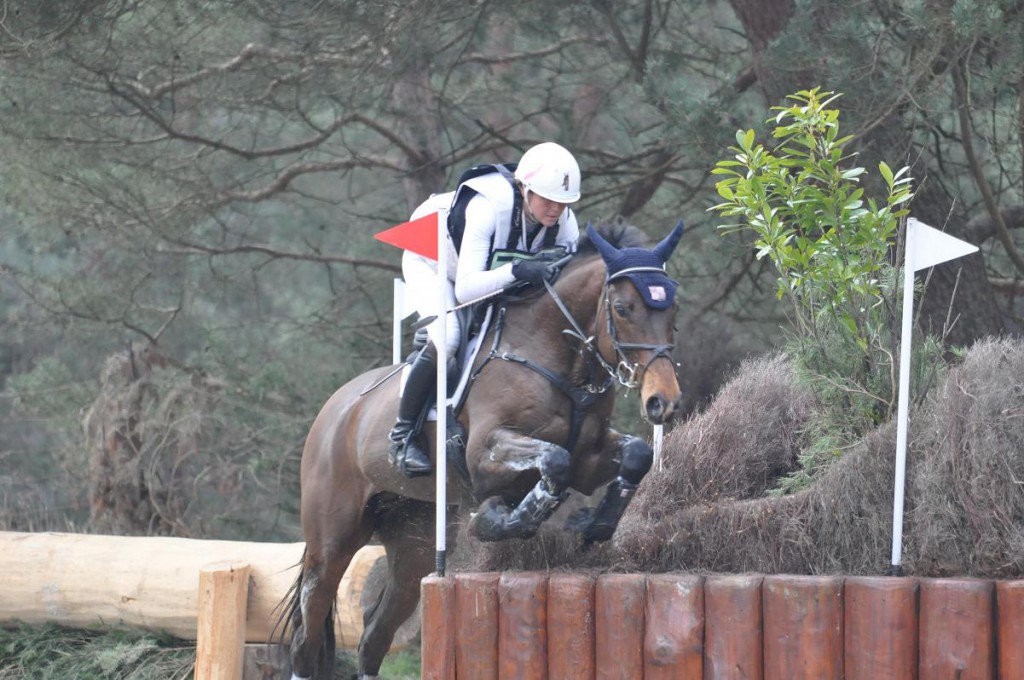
(466, 369)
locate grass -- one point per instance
(403, 665)
(57, 653)
(54, 652)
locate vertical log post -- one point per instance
(674, 627)
(523, 626)
(619, 601)
(803, 627)
(734, 627)
(220, 625)
(571, 627)
(438, 628)
(476, 624)
(1010, 605)
(880, 627)
(956, 629)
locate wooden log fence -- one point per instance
(536, 625)
(150, 583)
(570, 626)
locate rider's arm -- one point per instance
(473, 279)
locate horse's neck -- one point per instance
(539, 323)
(580, 290)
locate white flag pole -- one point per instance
(924, 247)
(659, 437)
(441, 462)
(396, 320)
(902, 411)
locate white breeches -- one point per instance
(421, 281)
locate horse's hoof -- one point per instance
(488, 523)
(584, 523)
(580, 520)
(598, 533)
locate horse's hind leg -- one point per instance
(325, 562)
(406, 530)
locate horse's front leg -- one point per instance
(635, 457)
(512, 460)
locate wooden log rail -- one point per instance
(84, 580)
(567, 626)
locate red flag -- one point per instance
(419, 236)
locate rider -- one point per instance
(547, 178)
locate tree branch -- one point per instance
(248, 53)
(273, 253)
(982, 227)
(963, 112)
(606, 8)
(508, 57)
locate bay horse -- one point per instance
(538, 422)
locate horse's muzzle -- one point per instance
(659, 410)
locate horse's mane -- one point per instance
(616, 231)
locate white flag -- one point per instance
(927, 246)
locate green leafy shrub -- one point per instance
(832, 247)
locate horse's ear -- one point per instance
(664, 249)
(607, 250)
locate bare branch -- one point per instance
(249, 53)
(509, 57)
(273, 253)
(286, 176)
(963, 111)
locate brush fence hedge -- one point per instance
(565, 626)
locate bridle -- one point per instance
(628, 374)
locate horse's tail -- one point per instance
(289, 619)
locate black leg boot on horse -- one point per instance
(494, 521)
(407, 451)
(599, 523)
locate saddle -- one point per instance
(474, 322)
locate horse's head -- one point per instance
(639, 310)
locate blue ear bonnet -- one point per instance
(645, 268)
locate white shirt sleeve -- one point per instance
(569, 234)
(472, 278)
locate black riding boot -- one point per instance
(407, 452)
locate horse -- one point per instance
(538, 423)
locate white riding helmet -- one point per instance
(549, 170)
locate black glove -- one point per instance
(535, 272)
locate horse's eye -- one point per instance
(621, 310)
